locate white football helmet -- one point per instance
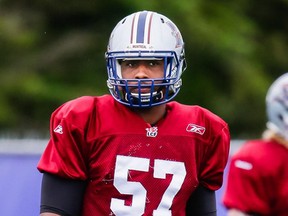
(145, 35)
(277, 106)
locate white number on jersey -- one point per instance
(136, 189)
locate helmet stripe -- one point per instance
(132, 29)
(149, 28)
(141, 27)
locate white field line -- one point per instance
(37, 146)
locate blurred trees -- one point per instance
(53, 51)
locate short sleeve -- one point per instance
(66, 152)
(215, 160)
(246, 187)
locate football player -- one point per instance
(258, 176)
(135, 152)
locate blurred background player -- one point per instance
(135, 152)
(258, 176)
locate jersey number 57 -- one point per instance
(136, 189)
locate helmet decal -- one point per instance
(176, 34)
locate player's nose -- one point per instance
(142, 71)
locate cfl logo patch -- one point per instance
(195, 129)
(151, 132)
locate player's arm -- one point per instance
(61, 197)
(236, 212)
(49, 214)
(202, 203)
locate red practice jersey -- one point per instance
(258, 179)
(134, 168)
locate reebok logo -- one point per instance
(195, 129)
(59, 129)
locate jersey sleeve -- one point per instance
(65, 154)
(215, 159)
(245, 189)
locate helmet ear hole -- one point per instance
(280, 117)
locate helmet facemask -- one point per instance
(161, 89)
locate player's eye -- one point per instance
(152, 63)
(155, 62)
(128, 63)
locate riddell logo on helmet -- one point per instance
(195, 129)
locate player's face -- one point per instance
(142, 69)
